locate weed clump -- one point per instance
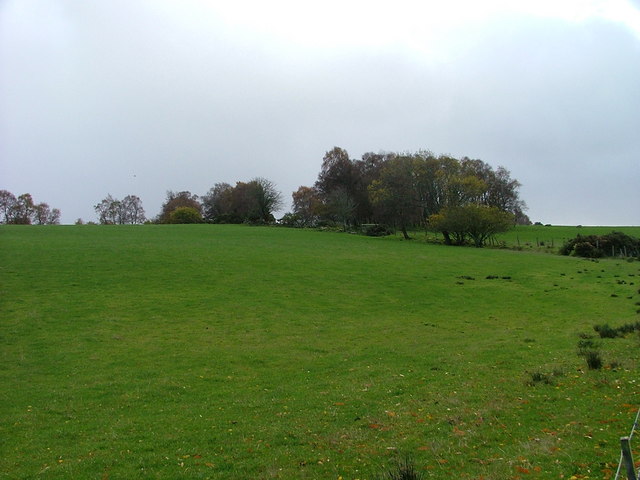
(594, 360)
(590, 350)
(403, 470)
(543, 378)
(606, 331)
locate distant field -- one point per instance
(533, 236)
(545, 238)
(232, 352)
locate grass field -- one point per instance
(542, 238)
(232, 352)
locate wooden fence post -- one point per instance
(627, 459)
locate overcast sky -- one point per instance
(144, 96)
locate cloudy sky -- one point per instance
(144, 96)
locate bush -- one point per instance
(590, 350)
(605, 331)
(594, 360)
(540, 377)
(185, 215)
(596, 246)
(376, 230)
(291, 220)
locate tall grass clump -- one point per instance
(403, 470)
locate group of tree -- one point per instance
(254, 202)
(23, 210)
(128, 211)
(408, 190)
(246, 202)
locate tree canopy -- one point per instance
(176, 200)
(23, 210)
(128, 211)
(253, 202)
(408, 190)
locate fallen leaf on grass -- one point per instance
(457, 431)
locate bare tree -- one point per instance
(41, 214)
(131, 211)
(112, 211)
(24, 211)
(7, 204)
(107, 210)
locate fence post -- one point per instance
(628, 459)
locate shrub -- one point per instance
(586, 250)
(590, 350)
(587, 345)
(539, 377)
(185, 215)
(291, 220)
(376, 230)
(595, 246)
(594, 360)
(605, 331)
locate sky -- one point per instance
(144, 96)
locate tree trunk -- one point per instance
(447, 238)
(404, 233)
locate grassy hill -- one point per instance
(237, 352)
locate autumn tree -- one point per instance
(307, 205)
(217, 204)
(107, 210)
(131, 210)
(406, 189)
(128, 211)
(24, 211)
(253, 201)
(7, 203)
(43, 215)
(175, 200)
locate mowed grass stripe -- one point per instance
(238, 352)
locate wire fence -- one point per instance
(622, 461)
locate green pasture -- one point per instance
(540, 238)
(234, 352)
(551, 238)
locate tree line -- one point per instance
(462, 198)
(23, 210)
(253, 202)
(465, 199)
